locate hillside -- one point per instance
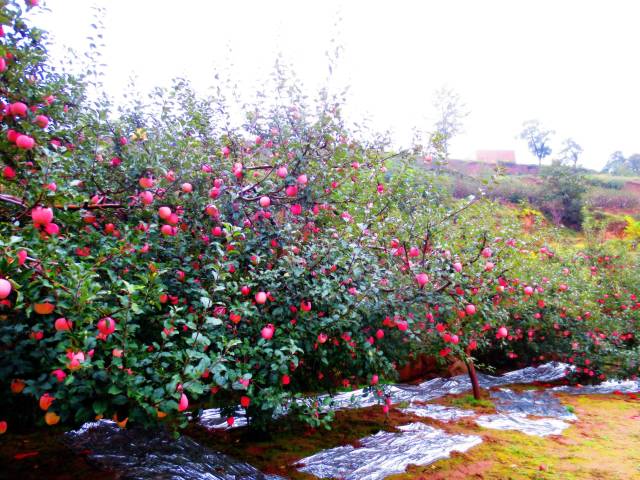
(607, 197)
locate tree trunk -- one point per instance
(473, 376)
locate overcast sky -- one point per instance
(572, 64)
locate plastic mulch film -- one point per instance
(213, 419)
(386, 453)
(515, 408)
(610, 386)
(437, 412)
(540, 427)
(540, 403)
(138, 454)
(429, 390)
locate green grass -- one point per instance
(469, 401)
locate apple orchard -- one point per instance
(159, 258)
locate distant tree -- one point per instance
(570, 152)
(563, 197)
(633, 163)
(450, 112)
(615, 163)
(537, 138)
(619, 165)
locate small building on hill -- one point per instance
(496, 156)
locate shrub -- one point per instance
(162, 259)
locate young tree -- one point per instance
(537, 138)
(570, 152)
(450, 111)
(564, 189)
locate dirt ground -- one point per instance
(604, 444)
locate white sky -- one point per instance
(572, 64)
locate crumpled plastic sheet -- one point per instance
(386, 453)
(610, 386)
(438, 412)
(212, 419)
(540, 427)
(514, 409)
(540, 403)
(424, 392)
(137, 454)
(440, 387)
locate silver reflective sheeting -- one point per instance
(386, 453)
(138, 454)
(610, 386)
(514, 409)
(213, 419)
(540, 427)
(540, 403)
(437, 412)
(429, 390)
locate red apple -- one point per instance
(265, 201)
(42, 121)
(62, 324)
(146, 197)
(184, 403)
(146, 182)
(52, 229)
(18, 109)
(422, 279)
(106, 326)
(25, 142)
(42, 216)
(59, 374)
(5, 288)
(8, 173)
(291, 191)
(267, 332)
(45, 401)
(168, 230)
(164, 213)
